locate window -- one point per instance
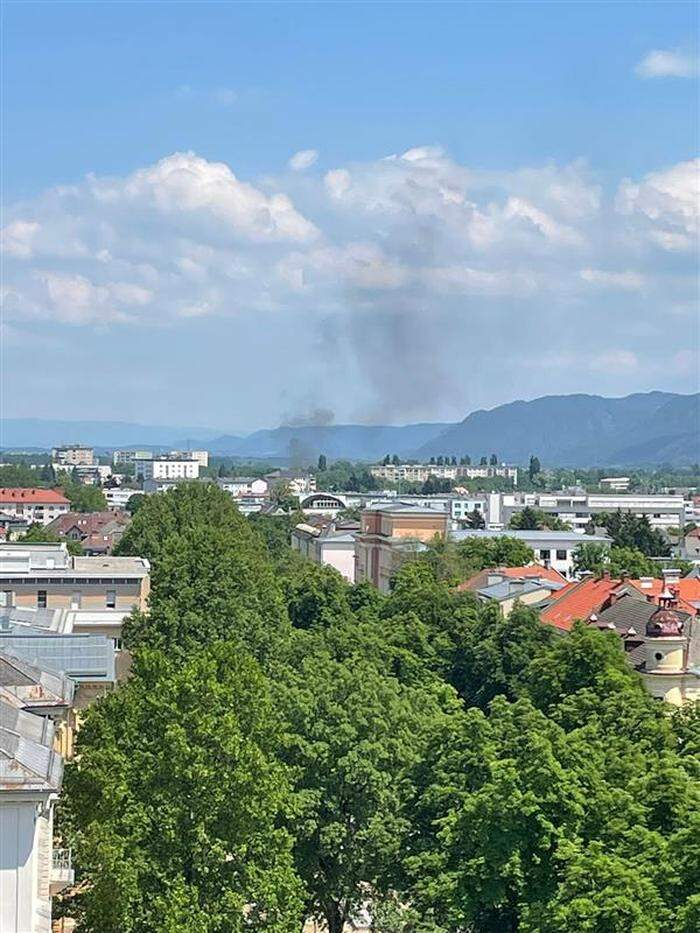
(111, 599)
(117, 644)
(75, 600)
(561, 554)
(41, 599)
(659, 656)
(544, 554)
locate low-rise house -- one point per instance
(553, 549)
(46, 576)
(167, 467)
(118, 497)
(12, 527)
(98, 532)
(532, 585)
(328, 543)
(39, 506)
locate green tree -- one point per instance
(175, 803)
(475, 519)
(322, 463)
(483, 461)
(632, 531)
(40, 534)
(134, 503)
(352, 734)
(493, 460)
(534, 468)
(84, 498)
(396, 460)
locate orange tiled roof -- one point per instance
(687, 590)
(534, 571)
(33, 496)
(578, 601)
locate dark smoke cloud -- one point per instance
(315, 417)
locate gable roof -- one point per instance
(578, 601)
(32, 496)
(687, 590)
(531, 571)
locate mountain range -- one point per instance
(643, 429)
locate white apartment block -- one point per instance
(615, 483)
(167, 468)
(73, 455)
(41, 506)
(238, 486)
(578, 508)
(419, 472)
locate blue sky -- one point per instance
(538, 238)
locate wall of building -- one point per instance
(25, 865)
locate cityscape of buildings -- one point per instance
(61, 613)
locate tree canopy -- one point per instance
(289, 746)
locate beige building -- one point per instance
(391, 533)
(33, 505)
(73, 455)
(46, 576)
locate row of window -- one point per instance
(546, 554)
(76, 599)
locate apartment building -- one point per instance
(46, 576)
(167, 467)
(576, 508)
(299, 482)
(34, 505)
(72, 455)
(243, 485)
(615, 483)
(120, 457)
(419, 472)
(392, 532)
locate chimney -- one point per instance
(646, 583)
(671, 575)
(624, 576)
(493, 578)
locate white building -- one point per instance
(118, 497)
(419, 472)
(238, 486)
(615, 483)
(34, 505)
(577, 508)
(72, 455)
(31, 773)
(166, 467)
(331, 546)
(201, 456)
(551, 548)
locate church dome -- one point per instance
(664, 622)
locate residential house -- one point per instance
(299, 482)
(12, 527)
(167, 467)
(35, 505)
(98, 532)
(691, 545)
(238, 486)
(531, 585)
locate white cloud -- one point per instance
(305, 158)
(615, 360)
(17, 238)
(628, 281)
(668, 63)
(669, 202)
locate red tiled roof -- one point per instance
(88, 523)
(578, 601)
(687, 590)
(532, 571)
(32, 496)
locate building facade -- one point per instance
(46, 576)
(39, 506)
(331, 546)
(166, 467)
(390, 534)
(72, 455)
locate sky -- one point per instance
(239, 215)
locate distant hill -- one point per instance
(563, 430)
(353, 441)
(43, 433)
(583, 430)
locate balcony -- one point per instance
(62, 874)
